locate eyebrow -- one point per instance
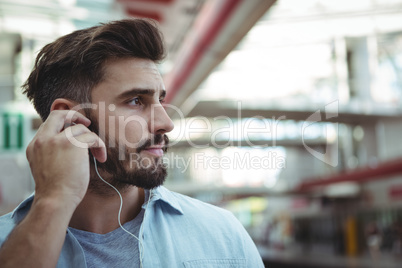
(139, 91)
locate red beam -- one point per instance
(381, 171)
(147, 1)
(199, 50)
(144, 14)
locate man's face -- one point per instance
(132, 122)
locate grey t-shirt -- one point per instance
(114, 249)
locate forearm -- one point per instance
(38, 239)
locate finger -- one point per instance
(76, 130)
(57, 120)
(77, 118)
(99, 153)
(93, 142)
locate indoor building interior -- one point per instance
(286, 113)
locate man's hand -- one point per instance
(58, 157)
(61, 172)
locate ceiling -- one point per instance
(198, 33)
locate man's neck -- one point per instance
(99, 213)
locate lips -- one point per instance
(158, 151)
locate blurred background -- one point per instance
(287, 113)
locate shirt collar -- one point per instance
(166, 196)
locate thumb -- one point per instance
(99, 153)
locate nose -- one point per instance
(160, 120)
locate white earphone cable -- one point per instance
(141, 249)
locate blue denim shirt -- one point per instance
(178, 231)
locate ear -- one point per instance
(62, 104)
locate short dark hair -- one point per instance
(73, 65)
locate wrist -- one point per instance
(55, 205)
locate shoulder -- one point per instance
(209, 231)
(192, 205)
(7, 224)
(213, 230)
(205, 214)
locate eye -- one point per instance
(162, 100)
(135, 101)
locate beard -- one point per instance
(124, 168)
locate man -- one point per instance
(100, 89)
